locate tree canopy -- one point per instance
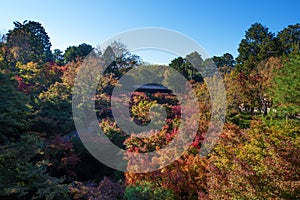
(77, 52)
(259, 43)
(28, 42)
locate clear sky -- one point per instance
(218, 26)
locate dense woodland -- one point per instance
(256, 157)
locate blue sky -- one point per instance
(218, 26)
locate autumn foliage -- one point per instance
(256, 156)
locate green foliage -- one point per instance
(258, 44)
(14, 109)
(242, 119)
(114, 133)
(145, 73)
(226, 60)
(289, 39)
(60, 191)
(185, 68)
(140, 110)
(77, 52)
(55, 114)
(25, 176)
(28, 42)
(147, 191)
(286, 94)
(58, 57)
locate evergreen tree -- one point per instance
(28, 42)
(258, 45)
(289, 39)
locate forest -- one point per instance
(257, 155)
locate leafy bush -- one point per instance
(147, 191)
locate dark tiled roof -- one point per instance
(152, 87)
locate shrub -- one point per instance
(105, 190)
(147, 191)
